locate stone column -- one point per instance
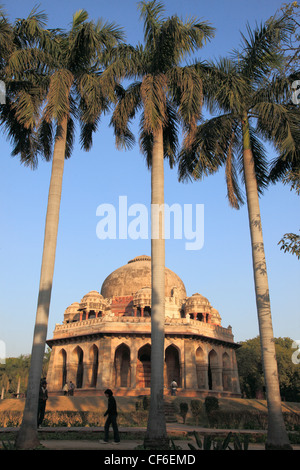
(104, 372)
(235, 382)
(190, 365)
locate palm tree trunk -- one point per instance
(27, 437)
(277, 436)
(156, 434)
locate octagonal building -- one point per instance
(105, 340)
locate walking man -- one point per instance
(111, 414)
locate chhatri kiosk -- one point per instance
(105, 340)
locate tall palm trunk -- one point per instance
(277, 435)
(156, 435)
(27, 437)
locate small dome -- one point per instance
(91, 300)
(142, 297)
(215, 316)
(73, 308)
(136, 274)
(71, 312)
(197, 303)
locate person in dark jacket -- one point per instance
(43, 397)
(111, 414)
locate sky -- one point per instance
(221, 270)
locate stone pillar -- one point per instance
(133, 373)
(190, 365)
(235, 382)
(104, 372)
(52, 374)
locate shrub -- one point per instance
(211, 404)
(196, 409)
(183, 410)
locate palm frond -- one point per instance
(170, 137)
(151, 13)
(208, 151)
(79, 17)
(128, 104)
(186, 88)
(234, 194)
(260, 161)
(153, 94)
(58, 101)
(261, 50)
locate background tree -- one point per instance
(72, 88)
(251, 370)
(166, 93)
(248, 99)
(291, 45)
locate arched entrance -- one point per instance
(122, 366)
(62, 366)
(94, 360)
(172, 365)
(78, 359)
(143, 369)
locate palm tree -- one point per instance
(72, 87)
(249, 98)
(166, 93)
(21, 45)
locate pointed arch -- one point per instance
(94, 361)
(143, 369)
(62, 367)
(212, 364)
(78, 360)
(172, 365)
(122, 367)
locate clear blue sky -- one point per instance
(221, 270)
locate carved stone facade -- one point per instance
(105, 340)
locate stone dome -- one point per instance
(197, 303)
(142, 297)
(135, 275)
(71, 312)
(92, 299)
(73, 308)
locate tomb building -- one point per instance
(104, 340)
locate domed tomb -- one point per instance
(135, 275)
